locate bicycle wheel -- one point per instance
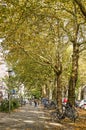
(72, 114)
(54, 116)
(75, 114)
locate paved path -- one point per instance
(31, 118)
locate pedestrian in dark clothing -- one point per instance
(35, 103)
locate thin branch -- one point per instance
(70, 12)
(84, 48)
(82, 43)
(82, 7)
(46, 61)
(19, 22)
(69, 35)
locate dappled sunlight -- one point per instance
(13, 119)
(22, 110)
(54, 124)
(30, 118)
(36, 112)
(29, 121)
(42, 117)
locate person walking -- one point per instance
(35, 103)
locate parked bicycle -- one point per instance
(50, 105)
(69, 111)
(57, 115)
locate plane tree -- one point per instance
(36, 35)
(74, 28)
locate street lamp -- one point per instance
(10, 73)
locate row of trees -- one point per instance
(43, 40)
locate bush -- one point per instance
(36, 93)
(4, 107)
(15, 103)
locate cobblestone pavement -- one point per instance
(31, 118)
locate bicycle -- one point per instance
(57, 115)
(50, 105)
(70, 112)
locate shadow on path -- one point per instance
(30, 118)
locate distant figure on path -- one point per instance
(35, 103)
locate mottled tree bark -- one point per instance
(74, 74)
(59, 91)
(58, 71)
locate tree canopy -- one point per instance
(36, 32)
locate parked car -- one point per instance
(82, 104)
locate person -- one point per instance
(35, 103)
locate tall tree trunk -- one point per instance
(51, 84)
(74, 74)
(58, 71)
(44, 91)
(54, 94)
(59, 91)
(75, 58)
